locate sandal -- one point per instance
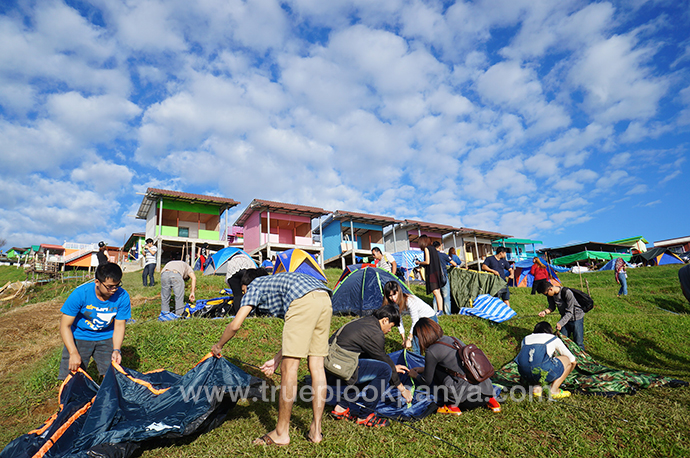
(344, 415)
(267, 440)
(373, 421)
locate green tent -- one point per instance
(587, 255)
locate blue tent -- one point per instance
(361, 292)
(525, 279)
(228, 258)
(612, 264)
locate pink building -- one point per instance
(271, 227)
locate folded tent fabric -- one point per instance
(489, 308)
(465, 285)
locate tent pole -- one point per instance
(321, 239)
(395, 242)
(476, 247)
(352, 242)
(268, 239)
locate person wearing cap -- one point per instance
(149, 262)
(173, 277)
(102, 255)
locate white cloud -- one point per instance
(638, 189)
(104, 177)
(620, 160)
(617, 82)
(91, 119)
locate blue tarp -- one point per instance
(489, 308)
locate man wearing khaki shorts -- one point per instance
(305, 303)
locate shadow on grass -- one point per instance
(130, 357)
(671, 304)
(646, 353)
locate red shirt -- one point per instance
(540, 273)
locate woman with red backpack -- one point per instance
(444, 369)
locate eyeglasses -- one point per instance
(111, 287)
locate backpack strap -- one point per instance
(457, 347)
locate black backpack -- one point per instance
(585, 302)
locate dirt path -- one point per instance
(27, 332)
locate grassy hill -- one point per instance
(648, 331)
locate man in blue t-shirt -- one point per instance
(498, 265)
(93, 322)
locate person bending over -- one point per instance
(572, 322)
(305, 303)
(394, 295)
(93, 322)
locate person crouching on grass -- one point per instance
(375, 369)
(443, 368)
(305, 303)
(536, 360)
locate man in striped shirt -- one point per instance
(305, 304)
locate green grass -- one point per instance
(647, 331)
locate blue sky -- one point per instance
(556, 120)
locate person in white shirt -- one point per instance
(537, 363)
(393, 294)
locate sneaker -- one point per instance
(344, 415)
(373, 421)
(439, 313)
(449, 409)
(493, 405)
(562, 394)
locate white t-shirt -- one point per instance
(551, 347)
(386, 262)
(418, 309)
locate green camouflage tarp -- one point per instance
(465, 285)
(590, 377)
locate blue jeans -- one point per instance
(624, 283)
(445, 292)
(575, 331)
(415, 340)
(373, 377)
